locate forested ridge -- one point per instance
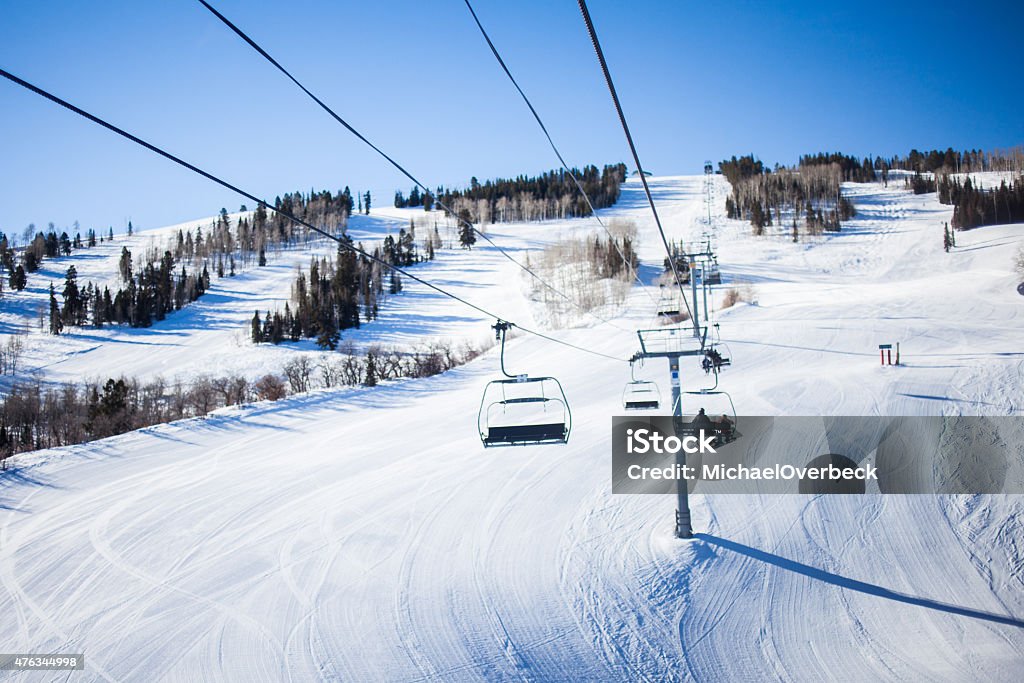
(548, 195)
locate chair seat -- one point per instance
(642, 405)
(514, 434)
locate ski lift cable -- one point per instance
(343, 243)
(554, 148)
(252, 43)
(632, 148)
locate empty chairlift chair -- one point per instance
(522, 410)
(640, 394)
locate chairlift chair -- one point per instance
(725, 424)
(668, 302)
(640, 394)
(522, 410)
(714, 360)
(712, 275)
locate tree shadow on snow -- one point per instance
(853, 584)
(18, 476)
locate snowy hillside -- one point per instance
(365, 534)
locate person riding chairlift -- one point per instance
(712, 360)
(702, 423)
(724, 425)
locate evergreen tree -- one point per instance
(18, 278)
(257, 328)
(366, 203)
(329, 336)
(124, 265)
(73, 305)
(371, 369)
(56, 325)
(467, 236)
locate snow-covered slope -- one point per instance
(364, 534)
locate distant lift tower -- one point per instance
(709, 182)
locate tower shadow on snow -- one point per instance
(853, 584)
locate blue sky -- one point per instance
(697, 79)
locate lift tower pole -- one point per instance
(684, 527)
(674, 344)
(693, 290)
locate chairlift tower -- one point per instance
(673, 344)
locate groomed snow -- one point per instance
(364, 534)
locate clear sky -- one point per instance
(697, 79)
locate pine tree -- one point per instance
(257, 328)
(124, 265)
(130, 231)
(467, 236)
(18, 279)
(329, 336)
(371, 369)
(56, 325)
(366, 203)
(72, 298)
(263, 257)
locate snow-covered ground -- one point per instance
(365, 534)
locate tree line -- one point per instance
(548, 195)
(43, 246)
(163, 282)
(808, 196)
(974, 207)
(343, 293)
(149, 296)
(34, 415)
